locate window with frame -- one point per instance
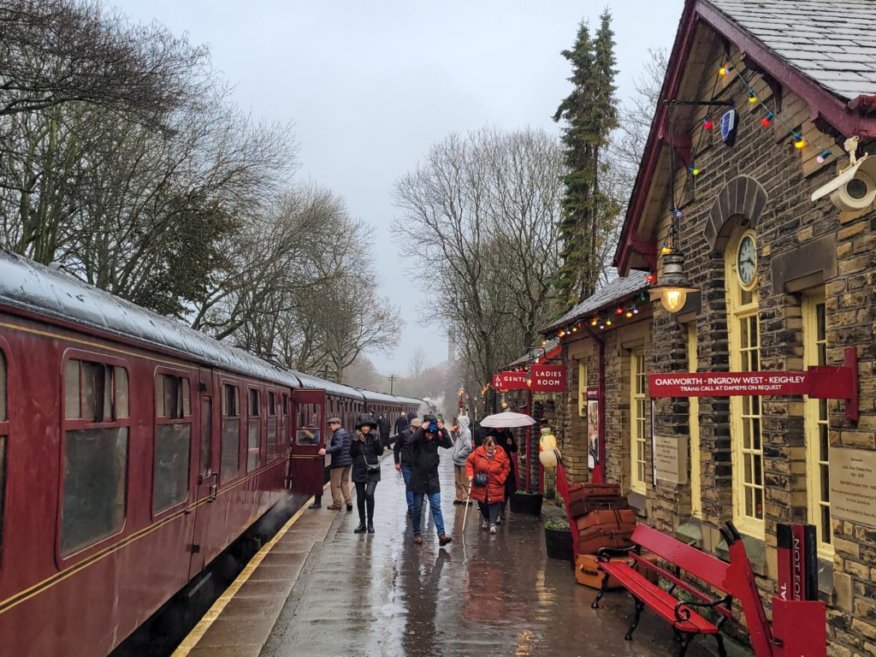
(745, 411)
(272, 426)
(96, 428)
(173, 441)
(254, 430)
(817, 426)
(638, 422)
(4, 435)
(229, 449)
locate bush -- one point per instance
(556, 524)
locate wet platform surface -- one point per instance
(323, 591)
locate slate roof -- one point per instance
(833, 42)
(608, 294)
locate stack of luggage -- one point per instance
(604, 520)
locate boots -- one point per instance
(361, 528)
(370, 526)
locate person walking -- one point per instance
(402, 456)
(462, 447)
(383, 427)
(506, 440)
(401, 423)
(424, 474)
(487, 469)
(365, 451)
(339, 470)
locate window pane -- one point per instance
(172, 448)
(272, 437)
(121, 392)
(254, 402)
(206, 434)
(229, 401)
(88, 404)
(106, 386)
(252, 459)
(230, 453)
(71, 389)
(95, 465)
(186, 397)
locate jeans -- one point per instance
(409, 496)
(435, 503)
(490, 512)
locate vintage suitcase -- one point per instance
(599, 529)
(588, 573)
(584, 498)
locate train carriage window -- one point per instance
(309, 423)
(230, 451)
(272, 426)
(254, 431)
(95, 453)
(173, 437)
(284, 425)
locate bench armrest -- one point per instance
(682, 609)
(605, 554)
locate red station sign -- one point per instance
(509, 381)
(547, 378)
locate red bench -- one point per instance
(682, 614)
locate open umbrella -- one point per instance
(507, 420)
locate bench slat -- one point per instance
(662, 602)
(710, 569)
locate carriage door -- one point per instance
(204, 548)
(308, 436)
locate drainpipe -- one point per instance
(598, 474)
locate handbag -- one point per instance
(480, 479)
(370, 467)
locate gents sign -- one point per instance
(728, 384)
(547, 378)
(509, 381)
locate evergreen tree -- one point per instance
(590, 113)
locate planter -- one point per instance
(559, 543)
(526, 503)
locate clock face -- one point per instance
(746, 261)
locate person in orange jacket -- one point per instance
(490, 460)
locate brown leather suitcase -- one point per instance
(584, 498)
(599, 529)
(588, 573)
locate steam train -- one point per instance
(133, 451)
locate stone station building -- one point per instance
(764, 105)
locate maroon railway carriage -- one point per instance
(133, 451)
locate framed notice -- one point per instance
(592, 427)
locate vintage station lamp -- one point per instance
(672, 287)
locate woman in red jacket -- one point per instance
(492, 461)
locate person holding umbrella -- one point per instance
(487, 468)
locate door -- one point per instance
(207, 482)
(306, 466)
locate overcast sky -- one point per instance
(370, 86)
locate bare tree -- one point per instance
(417, 363)
(482, 212)
(61, 51)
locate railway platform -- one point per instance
(319, 590)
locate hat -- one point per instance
(334, 420)
(366, 419)
(416, 423)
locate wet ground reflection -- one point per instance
(483, 595)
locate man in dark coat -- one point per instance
(424, 474)
(383, 426)
(402, 455)
(401, 423)
(339, 470)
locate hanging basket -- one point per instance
(529, 503)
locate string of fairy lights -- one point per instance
(769, 116)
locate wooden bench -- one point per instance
(680, 613)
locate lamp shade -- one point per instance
(673, 287)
